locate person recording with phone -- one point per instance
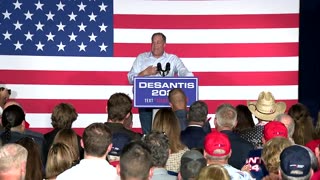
(156, 63)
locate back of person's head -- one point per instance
(177, 99)
(63, 115)
(166, 121)
(191, 163)
(158, 143)
(295, 163)
(70, 138)
(127, 123)
(214, 172)
(198, 111)
(60, 158)
(226, 116)
(303, 131)
(119, 107)
(135, 162)
(13, 159)
(244, 118)
(12, 116)
(271, 153)
(217, 147)
(287, 121)
(96, 139)
(34, 163)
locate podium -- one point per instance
(152, 92)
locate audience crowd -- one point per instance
(283, 144)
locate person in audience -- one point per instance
(217, 150)
(314, 160)
(119, 108)
(135, 162)
(178, 103)
(96, 141)
(69, 138)
(214, 172)
(146, 65)
(13, 160)
(271, 153)
(158, 143)
(193, 135)
(225, 121)
(288, 122)
(303, 131)
(62, 117)
(271, 130)
(34, 164)
(60, 158)
(4, 96)
(13, 120)
(244, 120)
(265, 109)
(295, 163)
(191, 163)
(166, 121)
(26, 124)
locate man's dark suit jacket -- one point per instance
(193, 137)
(240, 149)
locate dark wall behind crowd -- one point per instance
(309, 60)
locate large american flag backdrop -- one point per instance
(80, 51)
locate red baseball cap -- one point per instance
(217, 144)
(274, 129)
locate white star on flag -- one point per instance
(82, 27)
(82, 7)
(28, 36)
(103, 27)
(103, 47)
(60, 6)
(61, 46)
(7, 35)
(39, 5)
(50, 36)
(72, 17)
(103, 7)
(18, 45)
(39, 46)
(49, 16)
(6, 14)
(61, 27)
(17, 25)
(82, 47)
(72, 37)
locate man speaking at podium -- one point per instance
(153, 64)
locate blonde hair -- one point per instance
(70, 138)
(213, 172)
(60, 158)
(271, 153)
(166, 121)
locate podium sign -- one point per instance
(152, 92)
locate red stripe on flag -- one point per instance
(120, 78)
(99, 106)
(214, 50)
(206, 21)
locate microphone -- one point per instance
(167, 68)
(159, 68)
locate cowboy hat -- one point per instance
(265, 108)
